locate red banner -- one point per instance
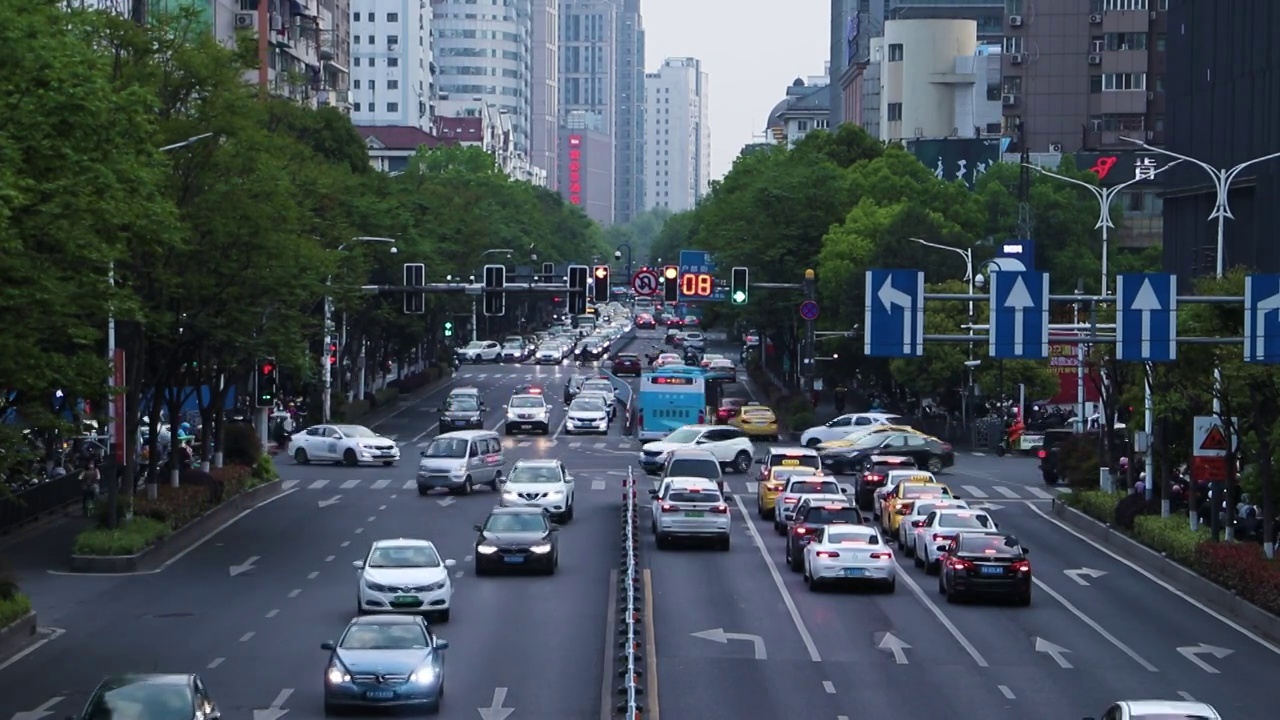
(1064, 362)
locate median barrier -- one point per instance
(47, 499)
(630, 617)
(1180, 578)
(19, 635)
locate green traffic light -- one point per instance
(740, 297)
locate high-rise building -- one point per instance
(544, 93)
(677, 147)
(629, 119)
(588, 85)
(486, 51)
(586, 166)
(1081, 75)
(391, 78)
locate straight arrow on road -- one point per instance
(1146, 302)
(331, 501)
(1079, 575)
(1055, 651)
(1193, 653)
(276, 711)
(446, 502)
(720, 636)
(893, 644)
(1019, 300)
(496, 711)
(890, 296)
(44, 710)
(244, 567)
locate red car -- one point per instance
(675, 322)
(728, 410)
(627, 364)
(646, 322)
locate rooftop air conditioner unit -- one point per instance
(1055, 147)
(1095, 59)
(1015, 21)
(1009, 100)
(1151, 95)
(1015, 58)
(246, 20)
(1095, 19)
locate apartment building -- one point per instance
(628, 175)
(475, 122)
(677, 160)
(544, 90)
(391, 70)
(807, 107)
(1082, 75)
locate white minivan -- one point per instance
(461, 461)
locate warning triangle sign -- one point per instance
(1215, 439)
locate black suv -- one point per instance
(810, 518)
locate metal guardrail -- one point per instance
(629, 611)
(20, 508)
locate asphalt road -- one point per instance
(787, 653)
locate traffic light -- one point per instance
(495, 298)
(578, 276)
(415, 275)
(671, 283)
(266, 383)
(448, 328)
(738, 286)
(548, 272)
(602, 283)
(333, 353)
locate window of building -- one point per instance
(393, 17)
(1013, 44)
(393, 62)
(355, 17)
(355, 39)
(1095, 7)
(373, 40)
(1164, 4)
(1011, 85)
(1095, 84)
(1126, 41)
(393, 84)
(1097, 43)
(1124, 81)
(1160, 41)
(802, 125)
(895, 52)
(393, 107)
(393, 40)
(356, 107)
(356, 62)
(895, 112)
(1012, 7)
(993, 128)
(355, 84)
(993, 90)
(1117, 123)
(1158, 123)
(1124, 5)
(373, 62)
(1159, 83)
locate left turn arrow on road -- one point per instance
(42, 711)
(244, 567)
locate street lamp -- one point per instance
(969, 277)
(1105, 197)
(617, 255)
(325, 366)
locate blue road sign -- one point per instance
(809, 310)
(1147, 317)
(1262, 319)
(1021, 250)
(700, 262)
(1019, 315)
(894, 324)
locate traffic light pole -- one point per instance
(810, 341)
(326, 367)
(475, 323)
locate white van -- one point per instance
(460, 461)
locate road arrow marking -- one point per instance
(1054, 651)
(988, 507)
(331, 501)
(1145, 302)
(893, 644)
(1260, 328)
(244, 567)
(40, 712)
(890, 296)
(275, 712)
(1019, 300)
(720, 636)
(1193, 653)
(1079, 575)
(446, 502)
(496, 711)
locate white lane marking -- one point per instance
(981, 454)
(348, 484)
(273, 613)
(599, 446)
(382, 507)
(458, 574)
(829, 687)
(381, 484)
(975, 491)
(575, 443)
(468, 558)
(1186, 696)
(215, 663)
(1005, 491)
(288, 484)
(313, 575)
(932, 607)
(1006, 692)
(777, 580)
(597, 485)
(330, 558)
(424, 433)
(372, 518)
(359, 530)
(247, 636)
(524, 443)
(1040, 493)
(408, 485)
(559, 428)
(317, 484)
(295, 592)
(1133, 566)
(345, 543)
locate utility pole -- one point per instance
(810, 342)
(264, 48)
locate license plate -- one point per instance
(855, 572)
(379, 694)
(992, 570)
(405, 600)
(513, 559)
(694, 514)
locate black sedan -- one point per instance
(984, 564)
(461, 412)
(171, 695)
(517, 538)
(929, 453)
(384, 661)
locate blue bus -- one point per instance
(670, 398)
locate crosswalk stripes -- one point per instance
(1040, 493)
(379, 484)
(409, 485)
(975, 492)
(598, 485)
(348, 484)
(318, 484)
(1006, 492)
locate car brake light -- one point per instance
(1021, 566)
(882, 556)
(1042, 454)
(695, 490)
(940, 538)
(720, 509)
(828, 554)
(946, 447)
(960, 564)
(801, 530)
(906, 506)
(789, 499)
(669, 508)
(917, 523)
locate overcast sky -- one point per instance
(751, 49)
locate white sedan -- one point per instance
(941, 527)
(587, 415)
(549, 353)
(909, 528)
(347, 444)
(402, 576)
(481, 351)
(841, 427)
(849, 554)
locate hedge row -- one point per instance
(1239, 567)
(794, 411)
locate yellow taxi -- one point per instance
(767, 492)
(859, 434)
(756, 421)
(899, 501)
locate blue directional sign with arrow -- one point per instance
(1262, 319)
(1019, 315)
(1147, 317)
(894, 324)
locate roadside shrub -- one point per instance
(1243, 569)
(174, 506)
(1132, 507)
(233, 479)
(241, 444)
(353, 410)
(1170, 535)
(263, 472)
(1096, 504)
(13, 608)
(8, 582)
(130, 538)
(385, 397)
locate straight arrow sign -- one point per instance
(496, 711)
(1019, 300)
(1193, 653)
(276, 711)
(896, 646)
(244, 567)
(446, 502)
(1259, 323)
(1146, 302)
(331, 501)
(44, 710)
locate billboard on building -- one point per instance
(957, 158)
(575, 169)
(1118, 167)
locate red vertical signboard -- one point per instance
(575, 169)
(119, 406)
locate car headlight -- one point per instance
(555, 495)
(460, 470)
(337, 675)
(510, 496)
(424, 674)
(435, 586)
(375, 586)
(486, 549)
(542, 549)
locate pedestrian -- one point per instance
(91, 482)
(841, 393)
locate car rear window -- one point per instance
(828, 516)
(682, 496)
(694, 467)
(990, 545)
(925, 491)
(966, 521)
(813, 487)
(852, 534)
(790, 461)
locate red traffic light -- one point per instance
(267, 368)
(602, 271)
(556, 299)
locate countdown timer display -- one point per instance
(698, 285)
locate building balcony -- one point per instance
(1107, 139)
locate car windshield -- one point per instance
(684, 436)
(794, 461)
(511, 522)
(965, 521)
(874, 440)
(151, 700)
(477, 345)
(990, 545)
(527, 402)
(447, 448)
(731, 403)
(813, 487)
(785, 474)
(403, 556)
(852, 534)
(1168, 716)
(356, 431)
(533, 474)
(392, 636)
(694, 467)
(830, 515)
(586, 405)
(685, 496)
(462, 404)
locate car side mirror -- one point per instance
(653, 492)
(327, 645)
(450, 563)
(941, 548)
(422, 453)
(504, 407)
(358, 564)
(442, 644)
(1026, 551)
(478, 528)
(903, 511)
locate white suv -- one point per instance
(730, 445)
(540, 483)
(690, 508)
